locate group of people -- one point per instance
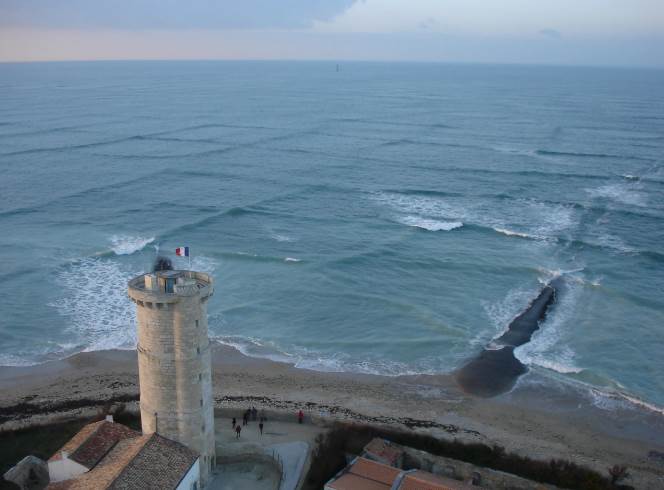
(252, 414)
(249, 414)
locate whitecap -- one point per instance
(127, 245)
(291, 259)
(253, 347)
(430, 224)
(95, 304)
(505, 231)
(281, 238)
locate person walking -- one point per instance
(234, 422)
(260, 427)
(238, 429)
(300, 417)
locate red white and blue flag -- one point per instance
(182, 251)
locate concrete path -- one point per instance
(289, 442)
(293, 457)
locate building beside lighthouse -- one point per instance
(174, 366)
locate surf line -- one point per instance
(496, 369)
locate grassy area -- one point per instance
(329, 458)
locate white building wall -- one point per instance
(64, 469)
(192, 476)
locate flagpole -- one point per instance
(189, 259)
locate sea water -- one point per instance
(383, 218)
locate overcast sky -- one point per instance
(593, 32)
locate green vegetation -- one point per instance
(344, 438)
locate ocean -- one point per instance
(382, 218)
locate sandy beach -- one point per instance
(534, 419)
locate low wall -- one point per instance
(460, 470)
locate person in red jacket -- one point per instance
(300, 416)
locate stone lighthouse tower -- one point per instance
(174, 367)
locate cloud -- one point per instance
(551, 33)
(169, 14)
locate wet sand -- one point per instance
(537, 418)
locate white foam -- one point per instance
(430, 224)
(625, 192)
(547, 347)
(291, 259)
(95, 304)
(127, 245)
(281, 238)
(253, 347)
(424, 206)
(614, 242)
(199, 263)
(547, 275)
(513, 233)
(501, 313)
(533, 219)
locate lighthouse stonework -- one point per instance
(174, 367)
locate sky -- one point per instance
(570, 32)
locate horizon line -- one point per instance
(339, 60)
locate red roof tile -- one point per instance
(100, 442)
(372, 470)
(422, 480)
(354, 482)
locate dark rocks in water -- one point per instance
(162, 264)
(494, 371)
(491, 373)
(521, 329)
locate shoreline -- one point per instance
(536, 418)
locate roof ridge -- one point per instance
(147, 437)
(99, 424)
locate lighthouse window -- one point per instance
(200, 377)
(196, 323)
(198, 350)
(201, 402)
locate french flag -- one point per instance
(182, 251)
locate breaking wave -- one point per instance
(547, 347)
(504, 231)
(127, 245)
(95, 303)
(430, 224)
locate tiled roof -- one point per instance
(383, 450)
(364, 474)
(160, 464)
(100, 442)
(372, 470)
(133, 461)
(72, 444)
(349, 481)
(422, 480)
(108, 469)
